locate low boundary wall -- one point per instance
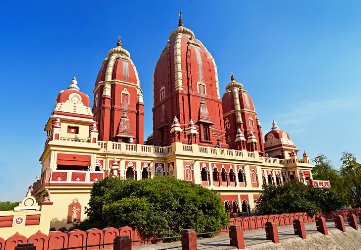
(94, 236)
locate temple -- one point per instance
(198, 135)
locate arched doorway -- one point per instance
(240, 176)
(224, 175)
(204, 174)
(145, 173)
(245, 208)
(232, 177)
(129, 174)
(215, 174)
(235, 207)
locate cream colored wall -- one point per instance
(62, 197)
(44, 226)
(83, 131)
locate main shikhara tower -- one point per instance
(197, 135)
(186, 87)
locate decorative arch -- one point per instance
(232, 175)
(188, 173)
(74, 211)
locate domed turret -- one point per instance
(118, 99)
(118, 66)
(72, 100)
(278, 143)
(239, 113)
(72, 117)
(186, 86)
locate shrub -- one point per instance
(294, 196)
(160, 207)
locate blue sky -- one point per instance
(299, 60)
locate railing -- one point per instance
(193, 149)
(320, 183)
(71, 176)
(73, 139)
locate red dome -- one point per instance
(119, 65)
(189, 58)
(247, 102)
(277, 137)
(73, 94)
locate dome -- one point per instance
(73, 94)
(188, 60)
(72, 100)
(118, 66)
(277, 137)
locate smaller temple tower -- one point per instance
(278, 144)
(118, 100)
(243, 128)
(71, 122)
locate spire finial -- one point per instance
(74, 84)
(180, 22)
(119, 43)
(232, 77)
(274, 125)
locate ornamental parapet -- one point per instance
(320, 183)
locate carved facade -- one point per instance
(197, 137)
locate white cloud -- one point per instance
(305, 112)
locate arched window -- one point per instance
(204, 174)
(227, 207)
(224, 175)
(145, 173)
(264, 181)
(215, 174)
(129, 174)
(235, 207)
(227, 125)
(125, 99)
(162, 93)
(240, 176)
(232, 177)
(206, 133)
(201, 89)
(251, 124)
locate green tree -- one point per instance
(324, 170)
(294, 196)
(7, 205)
(160, 206)
(351, 174)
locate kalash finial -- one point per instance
(232, 77)
(119, 43)
(180, 22)
(74, 84)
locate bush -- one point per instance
(160, 207)
(294, 196)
